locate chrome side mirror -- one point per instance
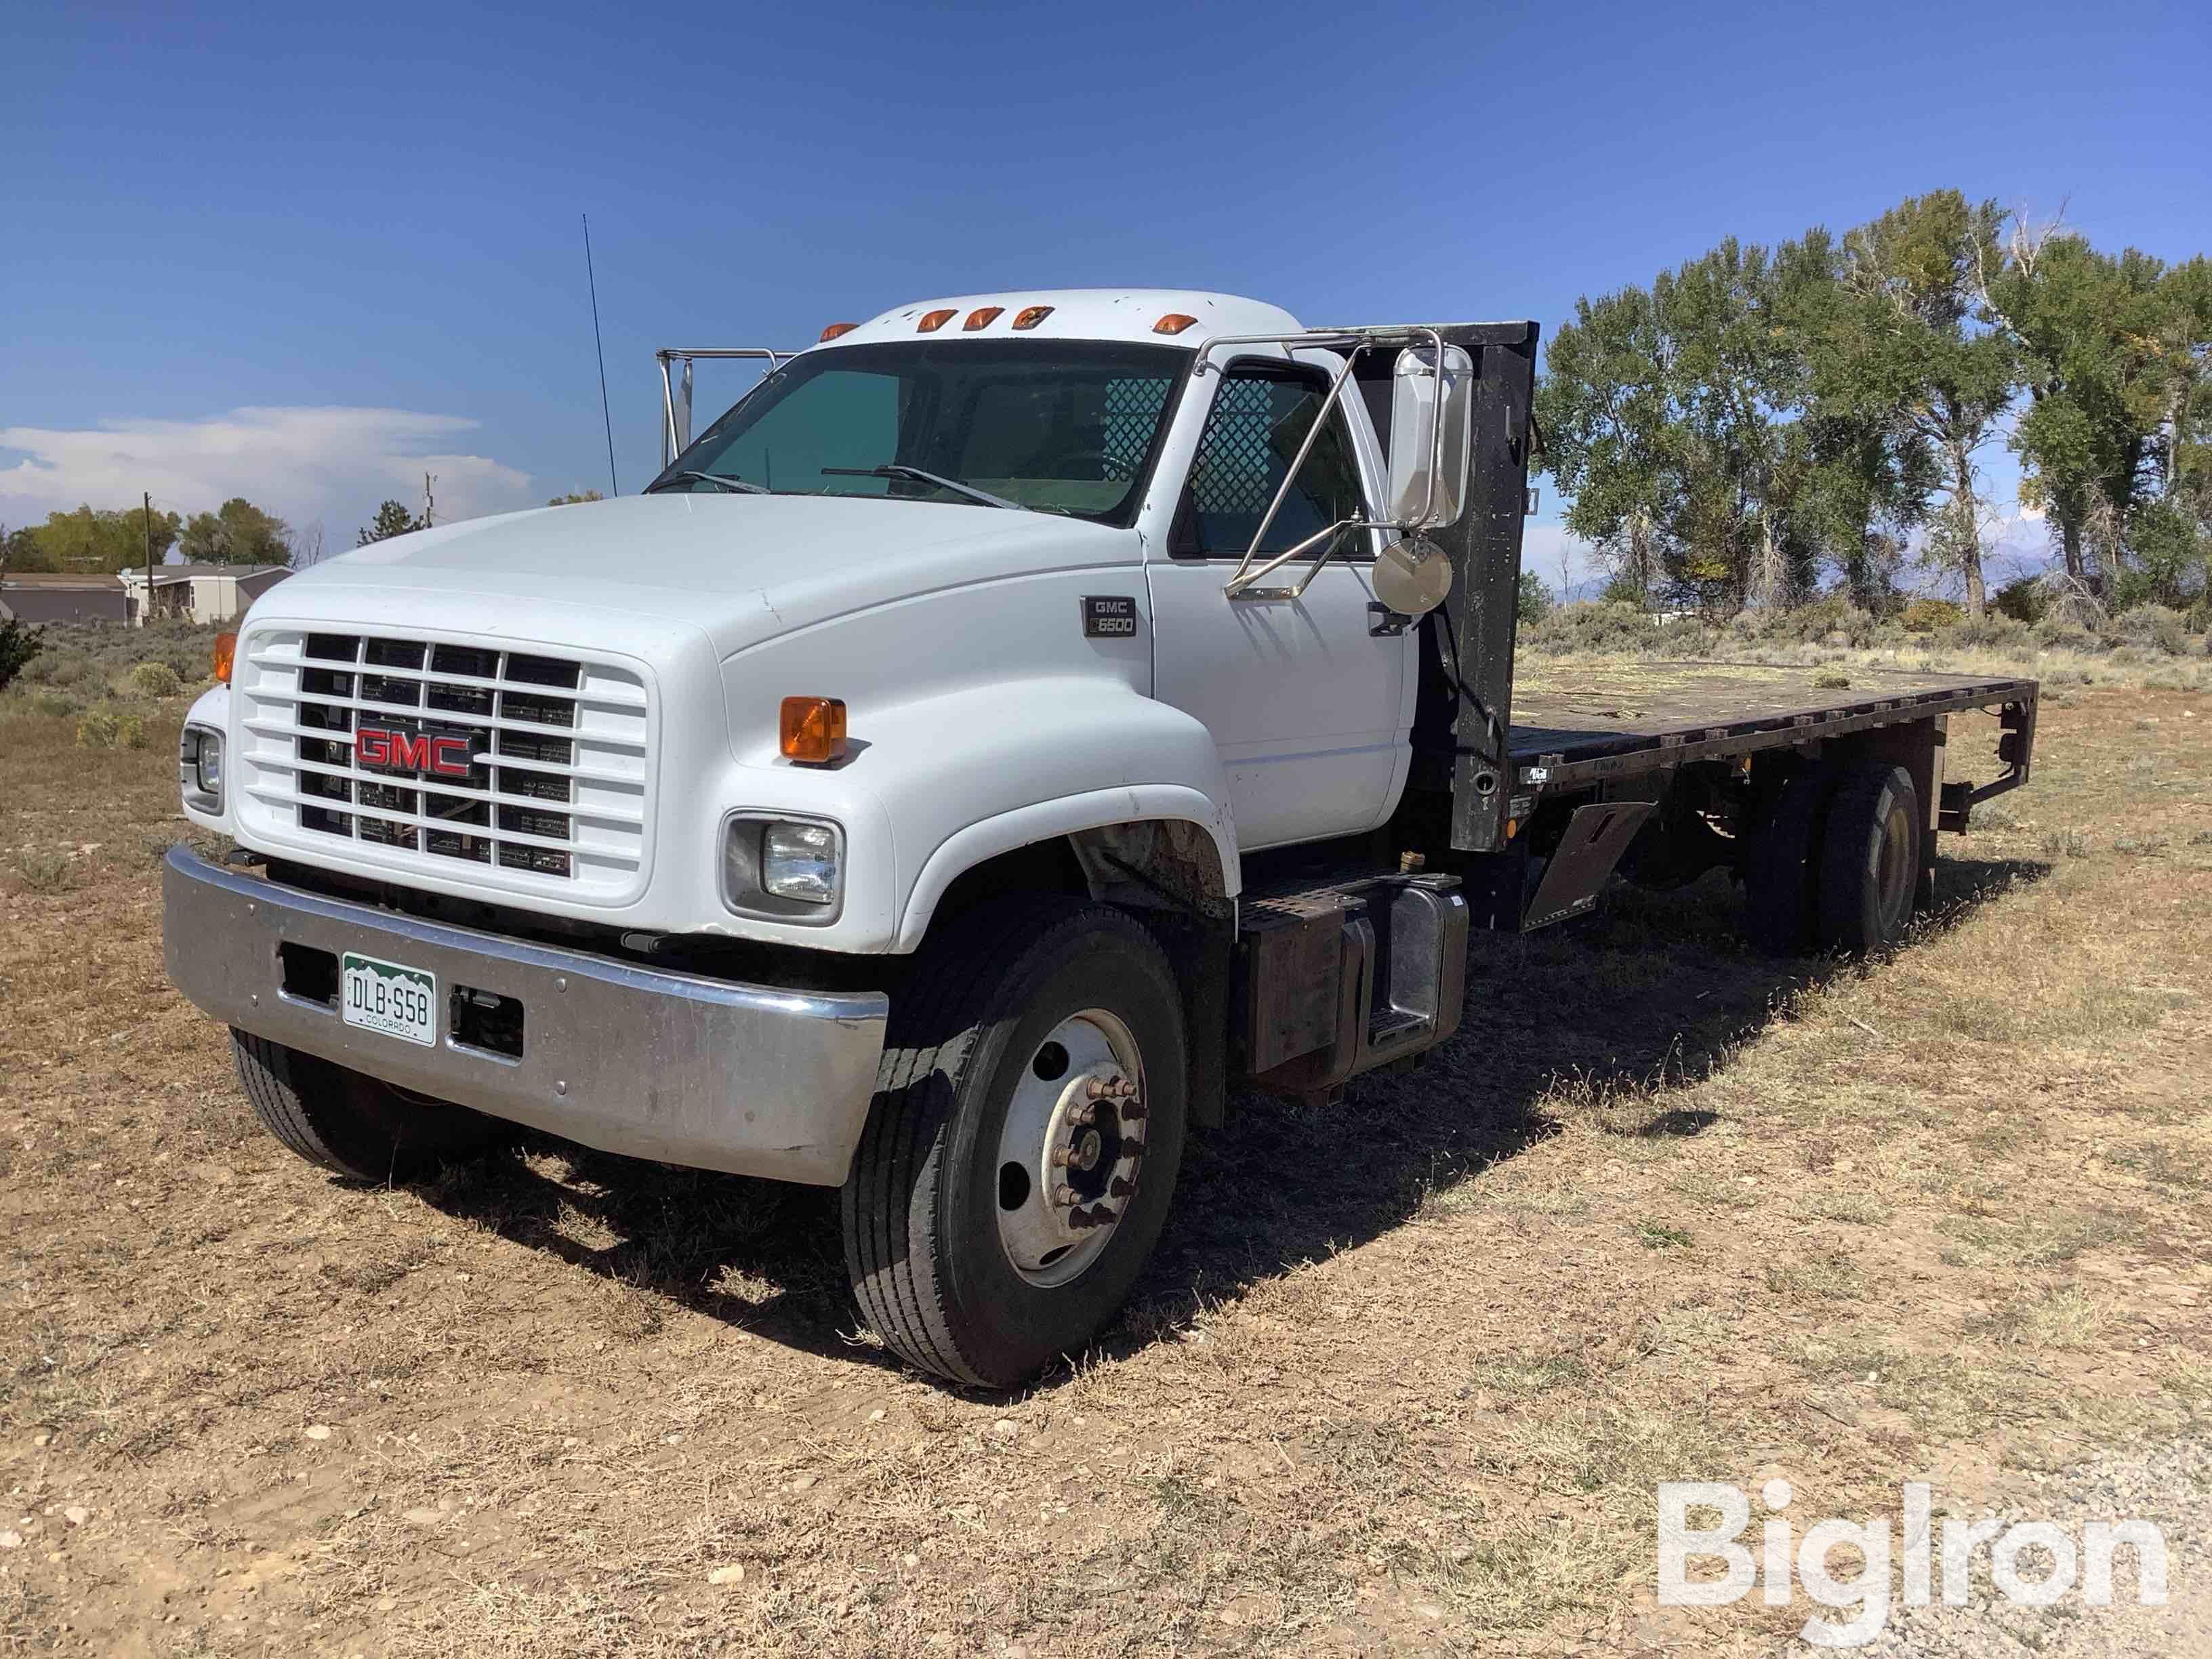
(1429, 415)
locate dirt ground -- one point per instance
(1406, 1373)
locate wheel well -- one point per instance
(1042, 866)
(1168, 868)
(1153, 864)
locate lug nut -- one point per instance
(1096, 1087)
(1060, 1157)
(1063, 1196)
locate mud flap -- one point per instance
(1595, 838)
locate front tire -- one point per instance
(1021, 1153)
(350, 1122)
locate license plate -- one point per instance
(389, 999)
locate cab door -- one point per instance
(1310, 707)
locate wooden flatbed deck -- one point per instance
(1576, 722)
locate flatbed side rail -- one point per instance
(1562, 769)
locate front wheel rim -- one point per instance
(1072, 1148)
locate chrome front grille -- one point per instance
(538, 779)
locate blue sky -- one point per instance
(303, 254)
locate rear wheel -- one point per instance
(1870, 858)
(1019, 1159)
(1781, 913)
(350, 1122)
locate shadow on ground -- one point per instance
(1652, 992)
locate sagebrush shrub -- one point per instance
(153, 679)
(1926, 616)
(111, 728)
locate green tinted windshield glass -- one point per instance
(1061, 426)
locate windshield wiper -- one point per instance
(915, 474)
(736, 486)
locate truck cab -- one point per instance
(1018, 719)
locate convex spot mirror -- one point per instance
(1429, 436)
(1413, 576)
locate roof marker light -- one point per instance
(835, 329)
(932, 320)
(981, 317)
(1174, 323)
(1031, 316)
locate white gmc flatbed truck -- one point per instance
(1021, 722)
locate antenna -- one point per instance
(605, 413)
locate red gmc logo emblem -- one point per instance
(444, 756)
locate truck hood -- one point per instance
(740, 568)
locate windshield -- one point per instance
(1056, 425)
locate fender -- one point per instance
(1026, 825)
(969, 773)
(212, 709)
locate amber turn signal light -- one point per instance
(932, 320)
(1031, 316)
(226, 654)
(981, 317)
(813, 729)
(835, 329)
(1174, 323)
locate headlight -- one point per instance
(208, 767)
(199, 767)
(800, 861)
(789, 869)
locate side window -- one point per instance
(1262, 413)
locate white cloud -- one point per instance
(330, 465)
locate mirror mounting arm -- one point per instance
(676, 416)
(1242, 585)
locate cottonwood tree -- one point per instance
(1868, 472)
(1954, 372)
(99, 541)
(581, 495)
(1667, 418)
(237, 533)
(1603, 408)
(1738, 375)
(19, 551)
(2171, 536)
(2085, 326)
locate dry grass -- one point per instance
(1405, 1371)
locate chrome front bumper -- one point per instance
(743, 1078)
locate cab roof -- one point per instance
(1078, 313)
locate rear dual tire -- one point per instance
(1870, 874)
(1837, 865)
